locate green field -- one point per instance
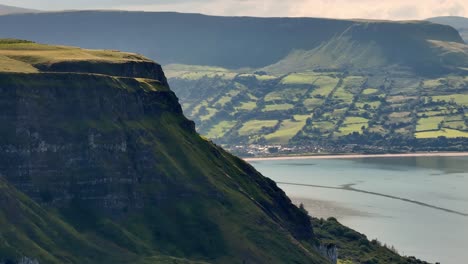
(369, 91)
(430, 123)
(290, 94)
(461, 99)
(449, 133)
(287, 130)
(254, 126)
(247, 106)
(220, 129)
(299, 78)
(278, 107)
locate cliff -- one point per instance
(99, 165)
(99, 143)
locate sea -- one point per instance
(419, 205)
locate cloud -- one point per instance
(370, 9)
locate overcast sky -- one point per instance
(371, 9)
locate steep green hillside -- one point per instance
(459, 23)
(422, 47)
(121, 164)
(99, 165)
(327, 109)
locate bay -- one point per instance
(417, 204)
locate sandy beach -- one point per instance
(360, 156)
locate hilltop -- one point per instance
(459, 23)
(5, 9)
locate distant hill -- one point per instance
(379, 45)
(459, 23)
(4, 9)
(230, 42)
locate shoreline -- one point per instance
(360, 156)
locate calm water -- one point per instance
(417, 204)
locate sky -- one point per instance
(368, 9)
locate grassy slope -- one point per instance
(368, 46)
(354, 247)
(234, 213)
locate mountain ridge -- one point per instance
(459, 23)
(214, 41)
(6, 9)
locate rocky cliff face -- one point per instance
(102, 145)
(67, 136)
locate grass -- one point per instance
(355, 120)
(299, 78)
(430, 113)
(195, 72)
(211, 113)
(396, 115)
(227, 98)
(449, 133)
(343, 95)
(459, 125)
(32, 53)
(254, 126)
(461, 99)
(372, 104)
(429, 123)
(290, 94)
(247, 106)
(352, 124)
(287, 130)
(370, 91)
(353, 81)
(220, 129)
(277, 107)
(312, 103)
(324, 126)
(262, 78)
(347, 129)
(325, 85)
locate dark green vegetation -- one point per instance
(99, 165)
(355, 247)
(459, 23)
